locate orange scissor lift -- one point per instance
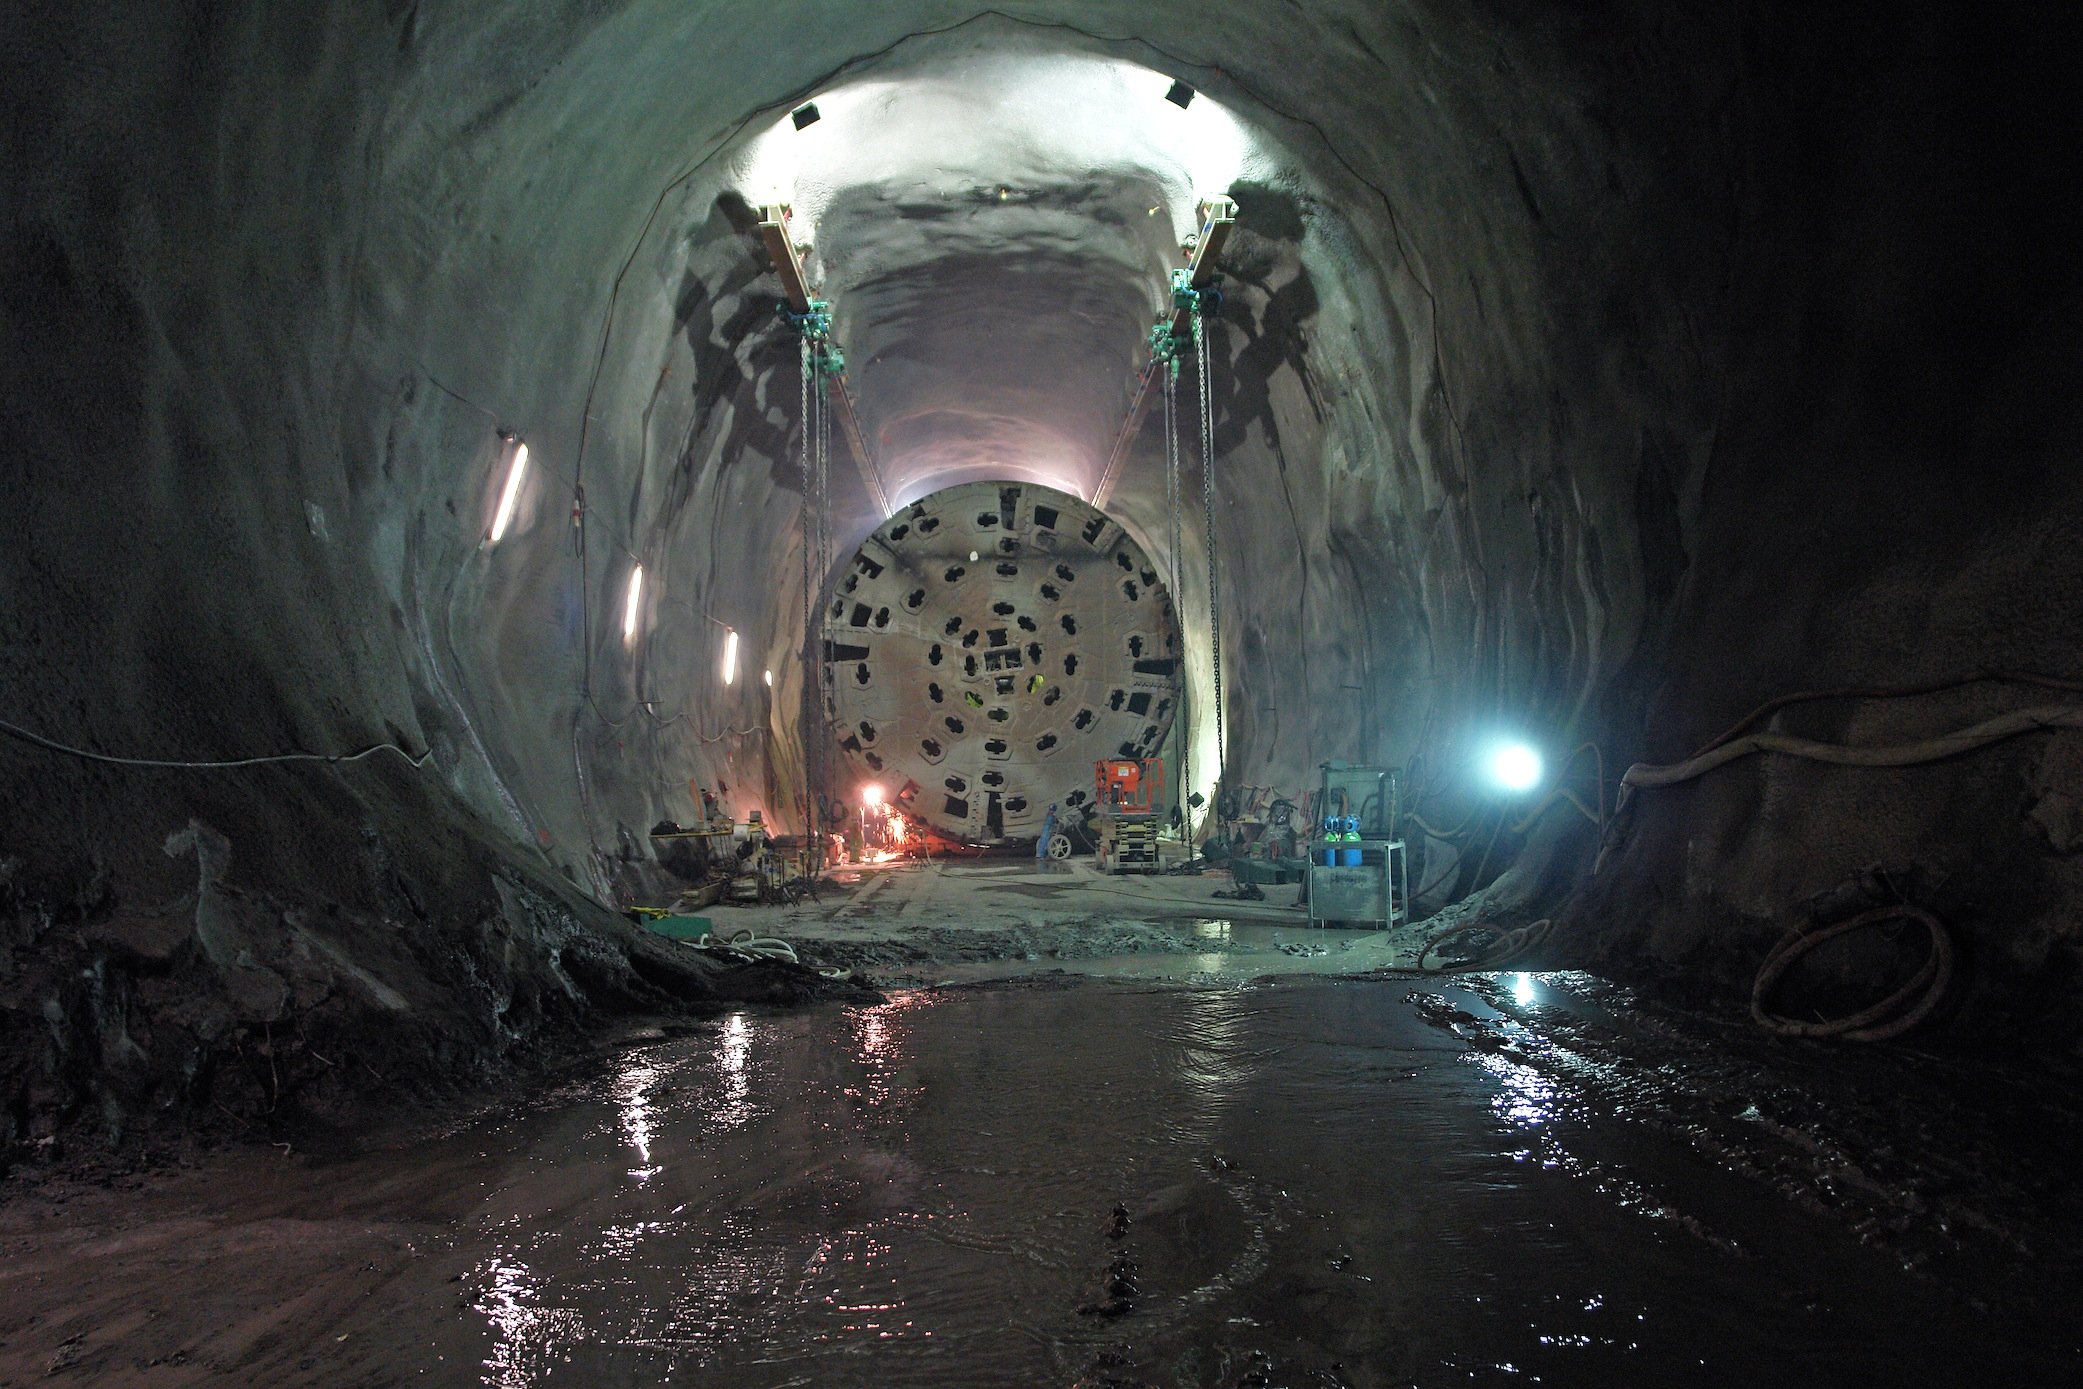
(1129, 794)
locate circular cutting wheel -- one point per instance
(986, 646)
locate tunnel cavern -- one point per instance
(1329, 693)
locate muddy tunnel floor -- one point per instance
(1362, 1181)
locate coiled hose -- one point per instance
(747, 948)
(1511, 943)
(1892, 1016)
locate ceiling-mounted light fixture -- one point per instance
(512, 492)
(806, 115)
(730, 655)
(1180, 95)
(629, 608)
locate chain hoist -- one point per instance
(1169, 365)
(1207, 412)
(821, 360)
(808, 656)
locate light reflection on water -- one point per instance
(632, 1092)
(527, 1337)
(1525, 1097)
(880, 1034)
(919, 1193)
(733, 1107)
(1215, 934)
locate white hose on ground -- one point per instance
(771, 946)
(748, 948)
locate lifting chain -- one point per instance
(822, 397)
(809, 588)
(1200, 353)
(821, 360)
(1169, 365)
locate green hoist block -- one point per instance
(1184, 295)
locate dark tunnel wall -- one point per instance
(1593, 373)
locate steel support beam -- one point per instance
(1218, 215)
(773, 232)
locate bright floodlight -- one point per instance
(730, 655)
(1515, 767)
(512, 492)
(871, 794)
(629, 609)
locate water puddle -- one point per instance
(1306, 1182)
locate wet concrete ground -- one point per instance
(1368, 1181)
(927, 923)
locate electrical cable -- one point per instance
(1455, 833)
(1773, 706)
(1452, 868)
(1562, 792)
(14, 730)
(1945, 745)
(700, 737)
